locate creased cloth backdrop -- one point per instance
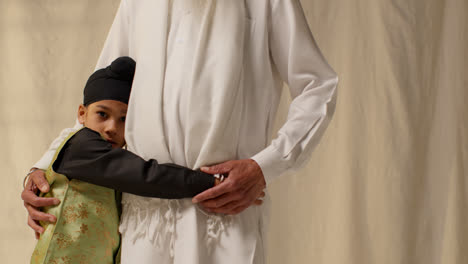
(387, 184)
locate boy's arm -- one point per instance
(87, 157)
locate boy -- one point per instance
(86, 230)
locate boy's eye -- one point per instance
(101, 114)
(123, 118)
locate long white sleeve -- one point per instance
(47, 157)
(312, 83)
(115, 46)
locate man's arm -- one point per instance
(87, 157)
(312, 83)
(116, 45)
(37, 182)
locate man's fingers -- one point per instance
(221, 168)
(262, 195)
(226, 209)
(31, 198)
(35, 226)
(238, 210)
(221, 201)
(38, 178)
(28, 184)
(37, 215)
(212, 193)
(234, 209)
(258, 202)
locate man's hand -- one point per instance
(32, 202)
(242, 187)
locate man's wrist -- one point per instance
(271, 163)
(33, 169)
(260, 171)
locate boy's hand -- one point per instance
(32, 202)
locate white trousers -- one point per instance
(176, 231)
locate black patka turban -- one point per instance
(111, 83)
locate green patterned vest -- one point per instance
(87, 224)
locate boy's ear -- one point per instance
(82, 113)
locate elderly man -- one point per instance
(206, 90)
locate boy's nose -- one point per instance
(111, 128)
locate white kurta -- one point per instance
(206, 90)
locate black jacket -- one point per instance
(87, 157)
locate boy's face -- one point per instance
(106, 117)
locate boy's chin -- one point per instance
(116, 145)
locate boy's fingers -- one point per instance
(35, 226)
(38, 178)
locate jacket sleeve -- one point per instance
(87, 157)
(312, 84)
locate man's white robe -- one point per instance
(206, 90)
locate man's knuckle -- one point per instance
(29, 208)
(230, 185)
(229, 206)
(239, 195)
(238, 184)
(34, 178)
(31, 224)
(35, 215)
(34, 201)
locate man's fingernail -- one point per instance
(44, 188)
(56, 202)
(205, 168)
(195, 200)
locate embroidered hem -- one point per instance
(155, 219)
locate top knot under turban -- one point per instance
(111, 83)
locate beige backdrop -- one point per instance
(386, 185)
